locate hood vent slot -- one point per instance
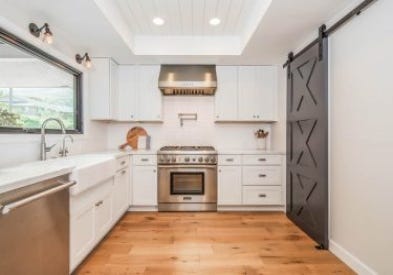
(191, 80)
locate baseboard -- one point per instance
(143, 209)
(251, 208)
(352, 261)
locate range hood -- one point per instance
(188, 79)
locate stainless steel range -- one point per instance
(187, 178)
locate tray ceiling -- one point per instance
(186, 29)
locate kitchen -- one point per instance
(231, 163)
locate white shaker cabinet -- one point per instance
(257, 93)
(139, 98)
(144, 181)
(226, 97)
(128, 94)
(246, 93)
(103, 89)
(150, 97)
(121, 192)
(229, 185)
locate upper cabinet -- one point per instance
(124, 93)
(246, 93)
(103, 89)
(226, 98)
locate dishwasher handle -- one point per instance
(5, 209)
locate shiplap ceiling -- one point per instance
(187, 17)
(186, 30)
(81, 26)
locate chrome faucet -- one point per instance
(64, 151)
(45, 149)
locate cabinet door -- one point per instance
(266, 83)
(120, 193)
(82, 238)
(103, 215)
(226, 97)
(150, 97)
(257, 93)
(99, 89)
(113, 88)
(144, 186)
(127, 93)
(229, 185)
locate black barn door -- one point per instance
(307, 142)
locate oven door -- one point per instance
(185, 184)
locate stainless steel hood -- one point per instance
(188, 79)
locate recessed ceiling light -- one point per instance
(215, 21)
(158, 21)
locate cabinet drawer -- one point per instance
(145, 159)
(261, 175)
(255, 195)
(261, 160)
(229, 159)
(122, 163)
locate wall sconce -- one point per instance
(36, 31)
(85, 60)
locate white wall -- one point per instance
(201, 132)
(362, 140)
(19, 148)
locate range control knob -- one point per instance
(200, 159)
(212, 159)
(206, 159)
(194, 159)
(186, 159)
(173, 159)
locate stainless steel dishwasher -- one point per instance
(34, 229)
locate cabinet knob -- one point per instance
(154, 170)
(132, 116)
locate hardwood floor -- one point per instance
(209, 243)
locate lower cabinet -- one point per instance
(91, 218)
(267, 195)
(144, 185)
(94, 212)
(250, 180)
(121, 193)
(229, 185)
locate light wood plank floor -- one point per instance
(209, 243)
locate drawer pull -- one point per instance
(230, 160)
(123, 162)
(145, 159)
(123, 172)
(262, 175)
(262, 195)
(187, 198)
(261, 159)
(99, 203)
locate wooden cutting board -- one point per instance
(132, 137)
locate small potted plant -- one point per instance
(261, 135)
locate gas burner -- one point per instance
(187, 148)
(190, 155)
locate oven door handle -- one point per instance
(188, 166)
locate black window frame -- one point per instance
(25, 46)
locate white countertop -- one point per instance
(12, 178)
(15, 177)
(26, 174)
(248, 152)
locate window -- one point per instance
(35, 86)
